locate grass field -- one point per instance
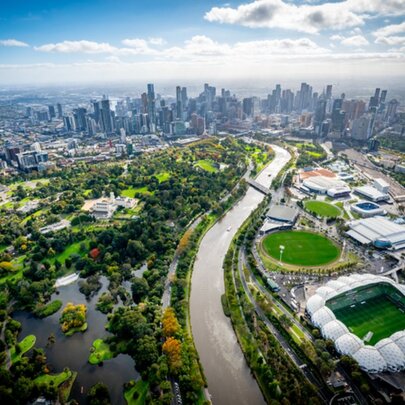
(322, 209)
(26, 344)
(136, 394)
(100, 352)
(206, 165)
(131, 191)
(378, 315)
(301, 248)
(74, 248)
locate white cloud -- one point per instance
(392, 41)
(355, 40)
(77, 47)
(12, 42)
(390, 30)
(310, 18)
(156, 41)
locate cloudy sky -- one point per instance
(69, 41)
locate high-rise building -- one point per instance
(60, 110)
(329, 91)
(248, 106)
(179, 107)
(319, 116)
(338, 116)
(151, 103)
(106, 117)
(391, 110)
(362, 128)
(51, 112)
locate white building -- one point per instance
(371, 193)
(378, 231)
(387, 355)
(382, 186)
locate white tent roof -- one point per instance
(334, 330)
(370, 359)
(348, 344)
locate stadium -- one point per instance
(363, 314)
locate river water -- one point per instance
(73, 351)
(229, 379)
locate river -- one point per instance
(74, 351)
(229, 379)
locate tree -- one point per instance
(170, 323)
(140, 289)
(146, 352)
(172, 349)
(136, 249)
(98, 395)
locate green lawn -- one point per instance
(48, 309)
(100, 352)
(301, 248)
(72, 331)
(378, 315)
(131, 191)
(206, 165)
(163, 176)
(66, 387)
(57, 379)
(74, 248)
(139, 390)
(26, 344)
(322, 209)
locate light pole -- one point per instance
(282, 247)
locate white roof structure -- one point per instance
(371, 193)
(334, 330)
(392, 354)
(387, 355)
(370, 359)
(321, 184)
(348, 344)
(379, 231)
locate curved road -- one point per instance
(229, 379)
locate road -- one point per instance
(228, 375)
(322, 391)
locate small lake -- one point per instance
(74, 351)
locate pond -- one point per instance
(74, 351)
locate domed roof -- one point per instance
(392, 354)
(334, 330)
(348, 344)
(322, 317)
(325, 291)
(346, 280)
(314, 303)
(335, 284)
(370, 359)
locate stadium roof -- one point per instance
(371, 192)
(378, 229)
(282, 213)
(387, 354)
(323, 184)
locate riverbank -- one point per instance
(228, 376)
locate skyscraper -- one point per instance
(151, 104)
(106, 117)
(179, 107)
(60, 110)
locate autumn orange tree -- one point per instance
(172, 349)
(170, 323)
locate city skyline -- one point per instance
(68, 42)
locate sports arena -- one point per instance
(364, 315)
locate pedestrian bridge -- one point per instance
(258, 186)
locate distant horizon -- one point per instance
(178, 40)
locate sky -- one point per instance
(68, 42)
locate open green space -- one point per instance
(48, 309)
(322, 209)
(53, 379)
(100, 352)
(66, 387)
(206, 165)
(132, 191)
(74, 248)
(136, 394)
(26, 344)
(301, 248)
(377, 315)
(163, 176)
